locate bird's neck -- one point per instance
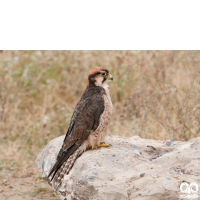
(105, 86)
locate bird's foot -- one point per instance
(102, 144)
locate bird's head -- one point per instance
(99, 77)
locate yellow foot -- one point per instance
(102, 144)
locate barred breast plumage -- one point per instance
(101, 132)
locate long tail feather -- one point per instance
(61, 159)
(65, 168)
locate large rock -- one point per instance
(127, 170)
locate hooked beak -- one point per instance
(110, 77)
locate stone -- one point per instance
(142, 174)
(127, 170)
(168, 143)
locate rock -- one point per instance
(142, 174)
(127, 170)
(168, 143)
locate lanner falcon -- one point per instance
(88, 125)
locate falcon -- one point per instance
(88, 125)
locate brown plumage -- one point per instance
(88, 125)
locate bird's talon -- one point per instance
(102, 143)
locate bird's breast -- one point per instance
(105, 118)
(100, 133)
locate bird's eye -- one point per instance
(103, 74)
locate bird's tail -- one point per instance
(65, 168)
(61, 158)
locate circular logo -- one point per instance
(189, 190)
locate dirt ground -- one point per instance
(26, 185)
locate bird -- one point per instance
(88, 125)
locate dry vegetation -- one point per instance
(155, 95)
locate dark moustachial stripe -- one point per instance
(91, 78)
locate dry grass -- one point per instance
(155, 95)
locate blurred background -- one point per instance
(155, 95)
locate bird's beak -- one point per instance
(110, 77)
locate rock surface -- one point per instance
(127, 170)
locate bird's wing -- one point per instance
(86, 118)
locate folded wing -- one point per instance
(85, 119)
